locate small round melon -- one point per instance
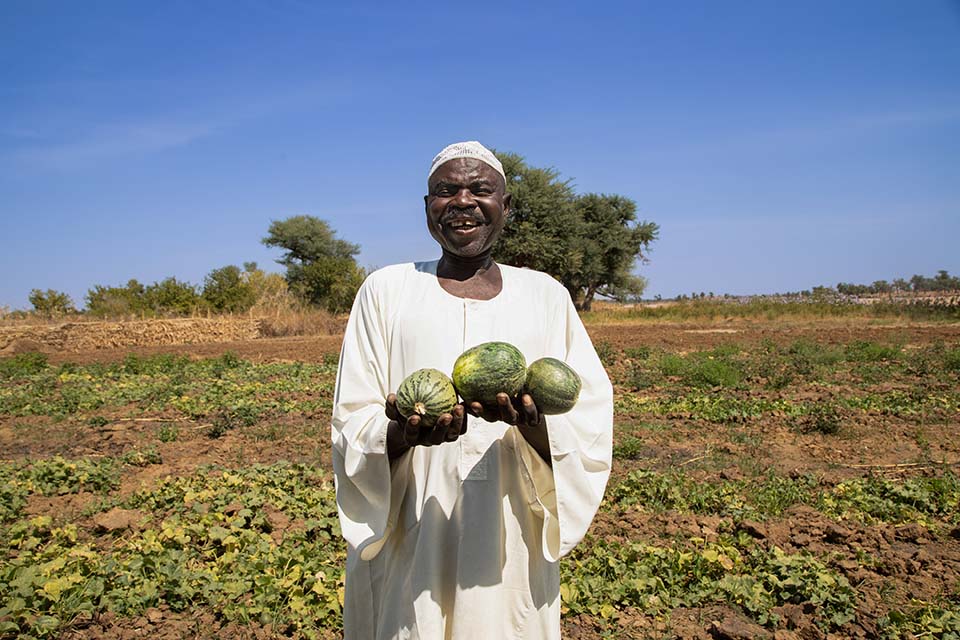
(483, 371)
(428, 393)
(553, 386)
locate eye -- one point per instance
(481, 189)
(444, 190)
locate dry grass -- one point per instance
(300, 322)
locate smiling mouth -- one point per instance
(462, 225)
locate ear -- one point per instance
(506, 204)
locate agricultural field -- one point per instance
(778, 478)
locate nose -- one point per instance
(464, 199)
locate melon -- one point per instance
(553, 386)
(428, 393)
(483, 371)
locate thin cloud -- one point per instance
(101, 142)
(114, 141)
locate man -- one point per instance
(456, 531)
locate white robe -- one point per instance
(461, 540)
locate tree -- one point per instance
(542, 228)
(270, 290)
(111, 302)
(881, 286)
(943, 281)
(330, 282)
(225, 289)
(172, 296)
(321, 268)
(589, 243)
(612, 242)
(50, 303)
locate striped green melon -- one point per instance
(428, 393)
(553, 386)
(483, 371)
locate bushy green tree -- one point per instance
(543, 226)
(589, 243)
(612, 242)
(171, 296)
(330, 282)
(50, 303)
(943, 281)
(226, 289)
(321, 268)
(111, 302)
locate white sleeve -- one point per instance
(581, 442)
(369, 491)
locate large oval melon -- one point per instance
(428, 393)
(553, 385)
(483, 371)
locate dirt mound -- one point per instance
(91, 336)
(23, 345)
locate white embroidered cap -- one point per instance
(468, 149)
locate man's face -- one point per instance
(466, 206)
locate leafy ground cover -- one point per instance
(803, 485)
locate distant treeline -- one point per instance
(228, 289)
(943, 281)
(321, 272)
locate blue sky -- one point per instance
(778, 145)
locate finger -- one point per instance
(411, 430)
(456, 423)
(507, 413)
(459, 413)
(439, 432)
(476, 409)
(531, 415)
(390, 408)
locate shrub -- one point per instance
(714, 373)
(822, 417)
(866, 351)
(50, 303)
(951, 360)
(637, 353)
(673, 366)
(701, 370)
(606, 352)
(640, 376)
(23, 365)
(168, 433)
(806, 356)
(225, 289)
(628, 448)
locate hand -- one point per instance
(522, 411)
(403, 433)
(531, 424)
